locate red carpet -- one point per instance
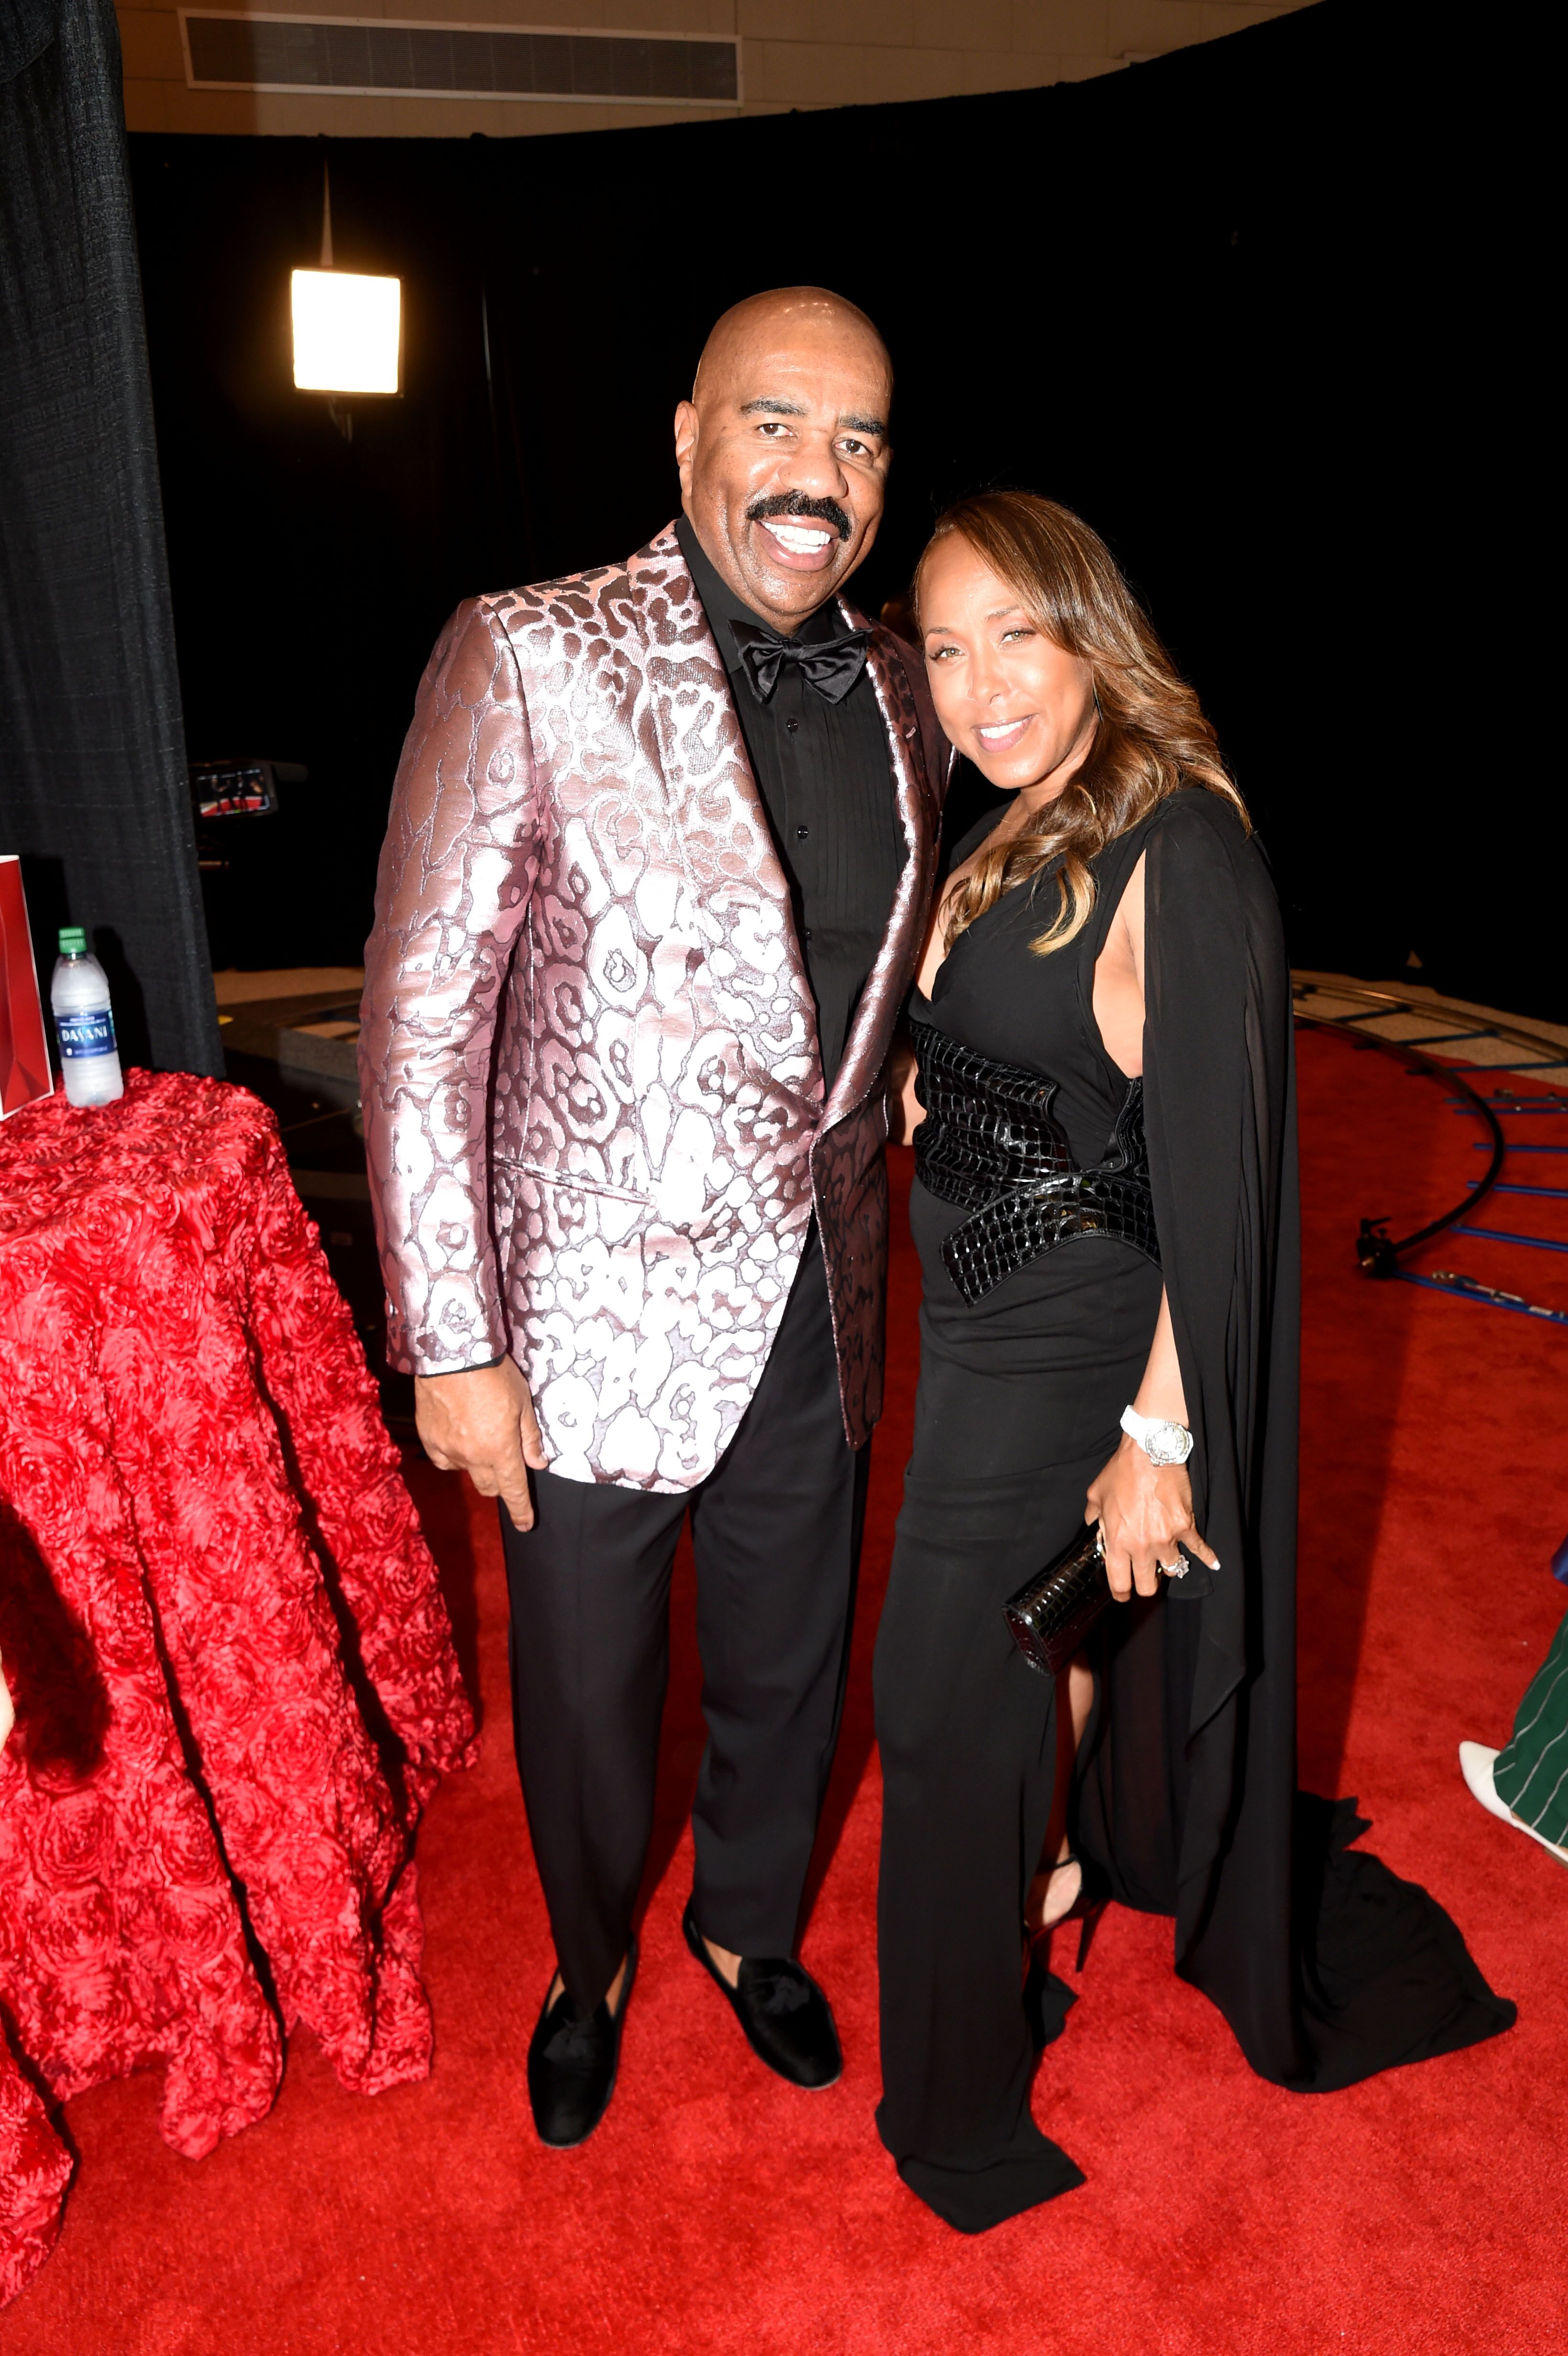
(717, 2209)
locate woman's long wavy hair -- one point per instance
(1151, 736)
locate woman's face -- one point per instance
(1016, 702)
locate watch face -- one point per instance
(1168, 1443)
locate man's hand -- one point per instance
(482, 1422)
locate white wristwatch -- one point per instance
(1162, 1443)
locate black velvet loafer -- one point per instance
(784, 2014)
(572, 2063)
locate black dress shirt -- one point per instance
(826, 777)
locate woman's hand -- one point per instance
(1145, 1512)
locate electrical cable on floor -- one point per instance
(1379, 1253)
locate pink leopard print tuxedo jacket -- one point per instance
(593, 1102)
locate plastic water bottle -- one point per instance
(84, 1021)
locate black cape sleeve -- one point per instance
(1326, 1966)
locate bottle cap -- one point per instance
(73, 941)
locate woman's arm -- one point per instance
(905, 1111)
(1144, 1510)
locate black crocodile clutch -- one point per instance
(1051, 1615)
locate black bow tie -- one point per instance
(832, 665)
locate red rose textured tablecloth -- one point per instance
(232, 1669)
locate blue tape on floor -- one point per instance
(1487, 1297)
(1501, 1236)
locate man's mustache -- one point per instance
(796, 504)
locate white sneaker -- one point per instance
(1475, 1764)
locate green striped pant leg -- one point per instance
(1531, 1774)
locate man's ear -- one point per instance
(685, 444)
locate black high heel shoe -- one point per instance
(1094, 1897)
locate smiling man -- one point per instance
(658, 867)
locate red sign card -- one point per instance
(24, 1050)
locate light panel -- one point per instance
(346, 331)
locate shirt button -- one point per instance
(790, 726)
(808, 932)
(801, 832)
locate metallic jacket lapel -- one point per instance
(919, 808)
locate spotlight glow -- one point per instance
(346, 331)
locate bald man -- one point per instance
(659, 863)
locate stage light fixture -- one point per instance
(348, 330)
(347, 326)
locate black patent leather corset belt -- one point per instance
(989, 1144)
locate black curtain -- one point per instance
(92, 775)
(1265, 311)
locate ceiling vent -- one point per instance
(365, 56)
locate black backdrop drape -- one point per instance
(92, 780)
(1252, 308)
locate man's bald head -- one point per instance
(782, 447)
(790, 315)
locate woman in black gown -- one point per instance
(1114, 931)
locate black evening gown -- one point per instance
(1326, 1967)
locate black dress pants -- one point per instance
(776, 1533)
